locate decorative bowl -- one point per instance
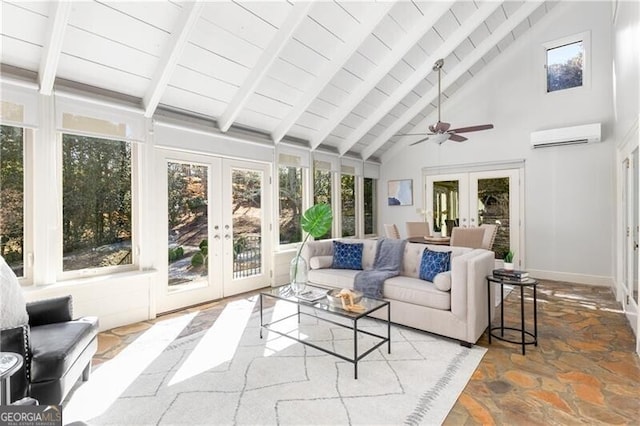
(335, 300)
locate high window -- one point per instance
(96, 203)
(566, 63)
(12, 197)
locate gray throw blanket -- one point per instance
(385, 265)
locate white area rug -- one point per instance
(228, 375)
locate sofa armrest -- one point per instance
(50, 311)
(16, 340)
(481, 265)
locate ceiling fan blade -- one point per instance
(472, 128)
(442, 127)
(420, 141)
(457, 138)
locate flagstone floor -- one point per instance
(583, 371)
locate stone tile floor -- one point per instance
(583, 371)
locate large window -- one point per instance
(12, 197)
(97, 203)
(348, 204)
(322, 191)
(370, 202)
(290, 180)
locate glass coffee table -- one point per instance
(324, 311)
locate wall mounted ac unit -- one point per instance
(566, 136)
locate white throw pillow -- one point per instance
(14, 308)
(442, 281)
(321, 262)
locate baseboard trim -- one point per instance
(595, 280)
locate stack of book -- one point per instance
(510, 274)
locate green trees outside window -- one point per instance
(290, 195)
(12, 197)
(96, 202)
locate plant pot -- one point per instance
(508, 266)
(298, 271)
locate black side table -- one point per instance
(527, 338)
(10, 362)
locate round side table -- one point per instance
(10, 362)
(527, 338)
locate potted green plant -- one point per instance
(315, 221)
(508, 260)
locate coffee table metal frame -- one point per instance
(322, 306)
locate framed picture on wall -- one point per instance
(400, 192)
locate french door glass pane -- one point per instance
(96, 202)
(322, 191)
(188, 223)
(348, 192)
(247, 222)
(493, 208)
(446, 196)
(12, 198)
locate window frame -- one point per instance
(585, 38)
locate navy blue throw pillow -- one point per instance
(347, 256)
(434, 262)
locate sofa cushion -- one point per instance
(321, 262)
(347, 256)
(434, 262)
(417, 292)
(442, 281)
(55, 347)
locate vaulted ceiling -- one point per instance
(344, 76)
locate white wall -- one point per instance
(626, 66)
(569, 192)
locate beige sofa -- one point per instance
(459, 313)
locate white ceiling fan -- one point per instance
(441, 131)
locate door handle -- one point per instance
(227, 236)
(217, 236)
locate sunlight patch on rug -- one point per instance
(218, 344)
(111, 379)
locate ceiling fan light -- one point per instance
(439, 138)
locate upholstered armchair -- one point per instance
(57, 350)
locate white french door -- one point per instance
(631, 228)
(476, 198)
(214, 216)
